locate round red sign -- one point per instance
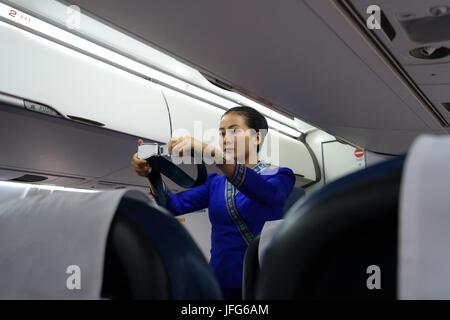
(359, 153)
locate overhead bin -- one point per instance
(79, 87)
(185, 111)
(61, 151)
(293, 154)
(103, 111)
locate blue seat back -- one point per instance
(329, 239)
(174, 266)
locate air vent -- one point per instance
(438, 11)
(86, 121)
(29, 178)
(429, 53)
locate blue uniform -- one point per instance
(257, 195)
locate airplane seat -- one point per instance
(296, 194)
(328, 242)
(424, 259)
(251, 260)
(149, 255)
(251, 270)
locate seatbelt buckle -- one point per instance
(147, 150)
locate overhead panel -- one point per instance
(61, 151)
(421, 44)
(80, 87)
(294, 54)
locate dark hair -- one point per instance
(253, 119)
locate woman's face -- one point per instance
(237, 139)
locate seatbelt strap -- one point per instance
(154, 154)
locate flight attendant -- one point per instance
(240, 200)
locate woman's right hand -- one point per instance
(140, 166)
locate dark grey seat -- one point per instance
(251, 261)
(149, 255)
(251, 270)
(326, 242)
(295, 195)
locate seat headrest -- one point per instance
(44, 236)
(424, 231)
(189, 274)
(390, 166)
(329, 238)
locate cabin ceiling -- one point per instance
(306, 57)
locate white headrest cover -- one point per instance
(424, 226)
